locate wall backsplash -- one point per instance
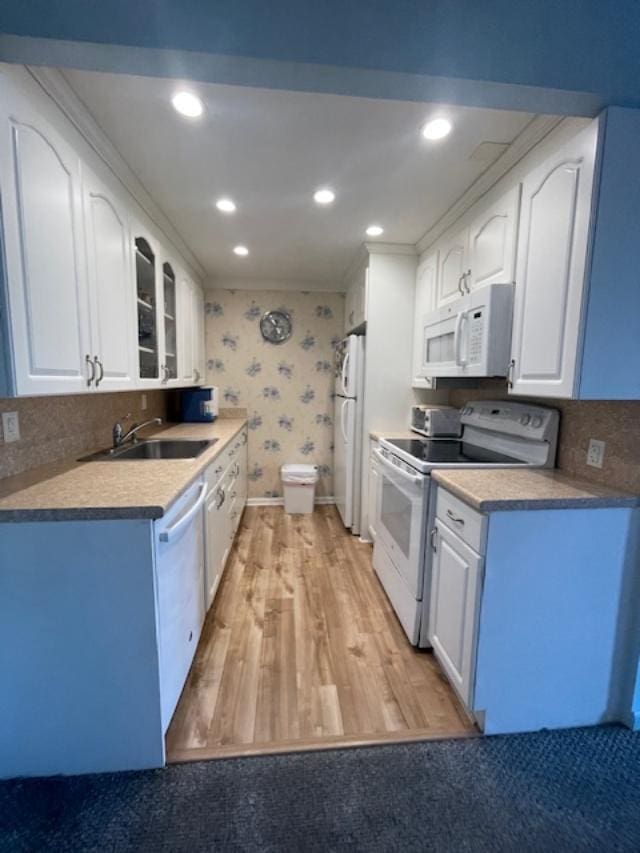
(287, 388)
(616, 422)
(56, 428)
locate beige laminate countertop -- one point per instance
(377, 434)
(101, 490)
(499, 489)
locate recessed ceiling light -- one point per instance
(324, 196)
(242, 251)
(375, 230)
(225, 205)
(187, 104)
(437, 128)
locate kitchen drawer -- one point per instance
(222, 462)
(469, 525)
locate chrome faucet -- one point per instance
(120, 436)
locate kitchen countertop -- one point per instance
(500, 489)
(72, 490)
(377, 434)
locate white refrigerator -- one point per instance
(347, 429)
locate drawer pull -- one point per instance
(455, 518)
(190, 636)
(218, 470)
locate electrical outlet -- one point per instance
(595, 453)
(143, 402)
(10, 426)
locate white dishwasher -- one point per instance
(179, 558)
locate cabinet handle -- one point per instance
(432, 539)
(89, 361)
(98, 364)
(510, 369)
(455, 518)
(218, 470)
(461, 283)
(221, 497)
(196, 374)
(244, 438)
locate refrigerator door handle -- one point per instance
(342, 424)
(345, 364)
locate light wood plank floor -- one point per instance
(301, 649)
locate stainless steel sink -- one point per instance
(154, 448)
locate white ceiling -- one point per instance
(269, 150)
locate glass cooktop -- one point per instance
(449, 451)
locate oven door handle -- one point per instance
(416, 479)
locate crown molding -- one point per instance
(286, 285)
(54, 84)
(528, 138)
(391, 248)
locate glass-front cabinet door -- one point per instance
(146, 293)
(170, 366)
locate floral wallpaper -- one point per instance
(287, 389)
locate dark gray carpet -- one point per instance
(573, 790)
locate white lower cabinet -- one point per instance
(374, 490)
(529, 610)
(455, 600)
(226, 499)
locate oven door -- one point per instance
(401, 519)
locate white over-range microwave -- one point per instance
(471, 336)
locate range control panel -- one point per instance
(519, 419)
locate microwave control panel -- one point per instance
(476, 331)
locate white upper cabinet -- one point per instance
(90, 301)
(148, 291)
(492, 242)
(170, 310)
(550, 274)
(198, 334)
(355, 311)
(110, 287)
(426, 281)
(191, 349)
(452, 266)
(479, 253)
(42, 218)
(185, 339)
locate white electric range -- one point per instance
(494, 434)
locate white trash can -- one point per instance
(299, 486)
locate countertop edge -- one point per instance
(488, 505)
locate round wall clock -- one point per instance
(276, 327)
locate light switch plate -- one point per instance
(10, 426)
(595, 453)
(143, 402)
